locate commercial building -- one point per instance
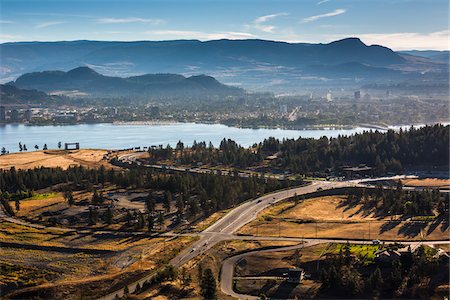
(2, 114)
(14, 115)
(28, 115)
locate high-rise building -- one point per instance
(357, 95)
(2, 114)
(283, 109)
(28, 115)
(14, 115)
(329, 97)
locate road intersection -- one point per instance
(225, 228)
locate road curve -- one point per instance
(227, 270)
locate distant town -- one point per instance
(313, 110)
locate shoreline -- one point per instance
(383, 127)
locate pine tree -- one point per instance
(109, 216)
(208, 288)
(376, 280)
(150, 203)
(161, 219)
(150, 223)
(167, 200)
(68, 196)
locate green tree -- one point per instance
(208, 288)
(68, 196)
(109, 216)
(161, 219)
(376, 280)
(150, 222)
(167, 200)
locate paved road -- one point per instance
(225, 228)
(243, 214)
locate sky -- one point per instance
(398, 24)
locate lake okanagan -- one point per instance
(119, 136)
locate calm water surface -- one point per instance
(110, 136)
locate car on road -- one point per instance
(376, 242)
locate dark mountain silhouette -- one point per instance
(86, 80)
(11, 94)
(249, 62)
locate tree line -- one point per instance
(345, 275)
(196, 193)
(399, 201)
(389, 151)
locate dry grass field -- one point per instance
(427, 182)
(327, 217)
(56, 262)
(53, 158)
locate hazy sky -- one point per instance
(399, 24)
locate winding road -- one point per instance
(226, 227)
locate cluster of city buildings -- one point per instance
(15, 115)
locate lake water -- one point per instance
(112, 136)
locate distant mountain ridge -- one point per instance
(87, 80)
(258, 64)
(12, 94)
(439, 56)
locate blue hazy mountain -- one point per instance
(86, 80)
(434, 55)
(258, 64)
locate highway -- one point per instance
(225, 227)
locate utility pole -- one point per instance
(279, 220)
(316, 229)
(369, 230)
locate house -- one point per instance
(360, 171)
(387, 256)
(295, 275)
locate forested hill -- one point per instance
(88, 81)
(386, 151)
(11, 94)
(391, 151)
